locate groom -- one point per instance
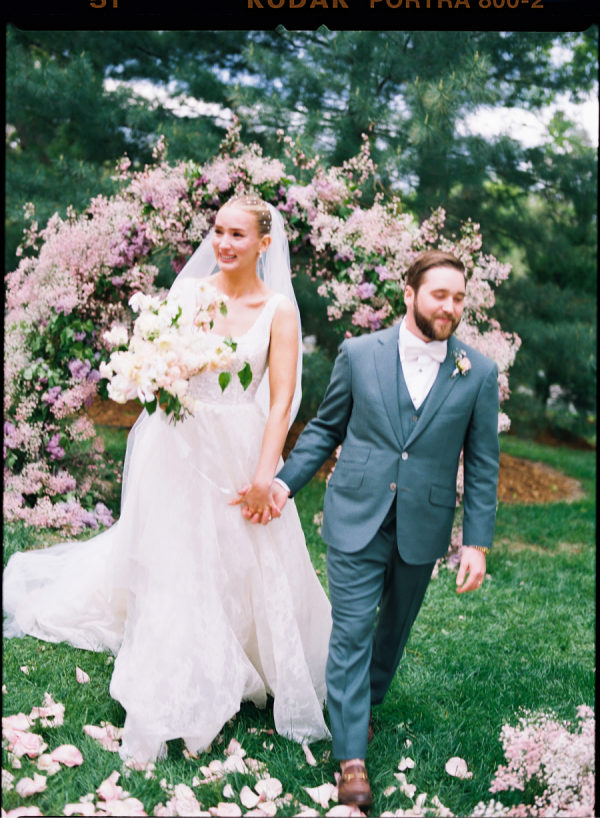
(403, 402)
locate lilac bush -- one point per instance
(75, 277)
(550, 761)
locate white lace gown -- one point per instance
(202, 609)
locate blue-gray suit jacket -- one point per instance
(360, 410)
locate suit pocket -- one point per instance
(354, 454)
(346, 478)
(442, 496)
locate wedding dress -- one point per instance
(203, 609)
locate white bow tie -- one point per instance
(436, 350)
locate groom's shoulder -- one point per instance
(360, 342)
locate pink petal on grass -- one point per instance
(67, 754)
(309, 756)
(226, 810)
(22, 743)
(344, 811)
(307, 812)
(406, 764)
(248, 798)
(17, 722)
(30, 786)
(235, 748)
(270, 788)
(127, 807)
(24, 669)
(7, 781)
(80, 808)
(81, 676)
(457, 767)
(21, 812)
(106, 734)
(47, 765)
(50, 714)
(323, 794)
(109, 790)
(234, 764)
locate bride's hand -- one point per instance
(258, 504)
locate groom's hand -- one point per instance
(280, 495)
(471, 571)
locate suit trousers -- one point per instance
(375, 598)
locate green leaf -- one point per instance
(231, 343)
(245, 376)
(224, 379)
(223, 309)
(151, 407)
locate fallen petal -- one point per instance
(457, 767)
(18, 812)
(269, 787)
(409, 790)
(29, 786)
(309, 756)
(234, 764)
(46, 764)
(248, 798)
(235, 748)
(307, 812)
(17, 722)
(26, 744)
(80, 809)
(67, 754)
(109, 790)
(225, 809)
(81, 676)
(323, 794)
(344, 811)
(24, 669)
(389, 790)
(7, 781)
(406, 764)
(228, 791)
(268, 808)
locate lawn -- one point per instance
(473, 662)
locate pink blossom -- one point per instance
(67, 754)
(30, 786)
(81, 676)
(23, 743)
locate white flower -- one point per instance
(116, 336)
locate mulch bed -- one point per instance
(520, 481)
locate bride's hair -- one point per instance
(255, 205)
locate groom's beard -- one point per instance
(428, 328)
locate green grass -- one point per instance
(526, 640)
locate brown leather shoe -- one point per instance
(354, 787)
(371, 731)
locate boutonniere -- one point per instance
(463, 364)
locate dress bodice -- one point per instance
(252, 348)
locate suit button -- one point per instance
(404, 455)
(393, 487)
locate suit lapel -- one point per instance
(386, 366)
(440, 390)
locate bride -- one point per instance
(202, 609)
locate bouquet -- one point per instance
(170, 343)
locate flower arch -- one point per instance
(76, 275)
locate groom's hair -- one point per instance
(428, 259)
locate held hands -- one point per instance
(471, 572)
(260, 504)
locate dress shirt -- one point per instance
(420, 363)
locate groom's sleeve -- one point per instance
(481, 457)
(324, 433)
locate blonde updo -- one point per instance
(255, 205)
